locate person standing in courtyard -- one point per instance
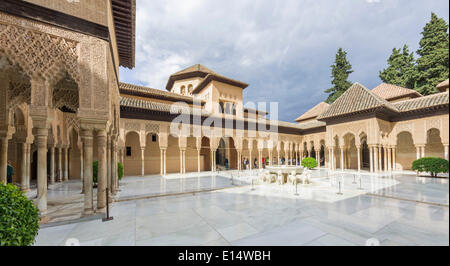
(10, 173)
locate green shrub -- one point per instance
(120, 170)
(95, 172)
(19, 218)
(309, 163)
(430, 165)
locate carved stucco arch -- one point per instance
(39, 53)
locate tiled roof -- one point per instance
(390, 91)
(314, 112)
(195, 68)
(206, 75)
(312, 124)
(220, 78)
(433, 100)
(356, 99)
(443, 85)
(156, 106)
(154, 92)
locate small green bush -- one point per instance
(309, 163)
(19, 218)
(120, 170)
(95, 172)
(430, 165)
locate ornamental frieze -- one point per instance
(39, 53)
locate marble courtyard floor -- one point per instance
(399, 209)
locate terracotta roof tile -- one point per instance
(356, 99)
(156, 106)
(390, 91)
(314, 112)
(433, 100)
(195, 68)
(155, 92)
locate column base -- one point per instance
(101, 210)
(88, 212)
(25, 190)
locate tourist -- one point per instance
(10, 173)
(264, 162)
(227, 166)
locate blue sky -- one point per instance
(282, 48)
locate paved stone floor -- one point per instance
(395, 209)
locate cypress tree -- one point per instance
(340, 71)
(401, 69)
(432, 65)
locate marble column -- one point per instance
(394, 158)
(318, 158)
(334, 160)
(165, 161)
(181, 161)
(114, 173)
(3, 160)
(278, 157)
(60, 171)
(417, 152)
(23, 167)
(371, 159)
(251, 160)
(108, 163)
(52, 164)
(446, 151)
(142, 161)
(342, 158)
(385, 158)
(214, 160)
(161, 162)
(329, 159)
(270, 158)
(260, 159)
(66, 163)
(198, 160)
(422, 151)
(102, 170)
(359, 158)
(82, 169)
(380, 159)
(28, 156)
(184, 161)
(87, 138)
(41, 144)
(375, 158)
(389, 158)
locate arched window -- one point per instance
(190, 89)
(234, 109)
(221, 107)
(183, 90)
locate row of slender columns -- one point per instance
(379, 162)
(57, 172)
(375, 159)
(107, 175)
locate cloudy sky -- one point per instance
(283, 48)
